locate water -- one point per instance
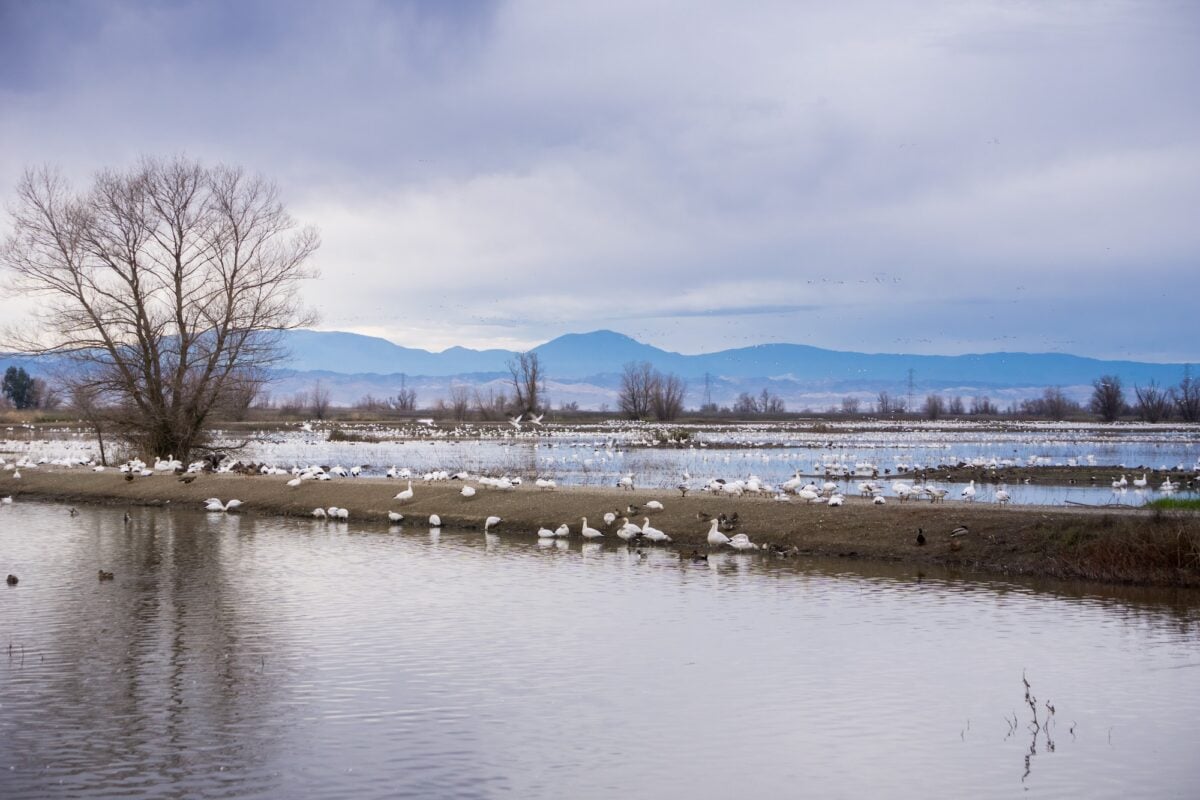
(597, 455)
(243, 657)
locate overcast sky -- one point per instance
(889, 177)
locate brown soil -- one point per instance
(1124, 546)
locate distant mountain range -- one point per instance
(586, 368)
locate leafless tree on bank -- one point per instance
(666, 399)
(647, 392)
(166, 286)
(460, 401)
(1187, 397)
(1108, 400)
(319, 400)
(528, 383)
(934, 407)
(1154, 404)
(637, 387)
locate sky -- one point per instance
(917, 177)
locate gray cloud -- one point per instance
(933, 177)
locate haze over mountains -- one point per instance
(586, 367)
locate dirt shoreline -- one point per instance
(1110, 545)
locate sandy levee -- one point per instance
(1113, 545)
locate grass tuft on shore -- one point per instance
(1167, 551)
(1175, 504)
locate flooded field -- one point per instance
(660, 456)
(252, 657)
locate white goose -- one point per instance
(405, 495)
(490, 523)
(969, 492)
(395, 517)
(1140, 483)
(589, 533)
(628, 530)
(715, 537)
(742, 542)
(653, 534)
(545, 533)
(435, 521)
(1002, 496)
(468, 492)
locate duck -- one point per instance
(715, 537)
(589, 533)
(105, 576)
(961, 530)
(920, 537)
(12, 580)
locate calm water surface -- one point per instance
(244, 657)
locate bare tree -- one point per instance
(166, 285)
(406, 399)
(770, 403)
(87, 403)
(1108, 400)
(460, 401)
(491, 405)
(883, 404)
(1154, 404)
(637, 387)
(745, 404)
(667, 399)
(934, 406)
(527, 382)
(850, 405)
(956, 406)
(983, 406)
(1187, 397)
(319, 400)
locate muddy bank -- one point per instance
(1124, 546)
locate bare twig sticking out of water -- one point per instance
(1036, 726)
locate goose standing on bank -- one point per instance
(653, 534)
(588, 532)
(715, 537)
(405, 495)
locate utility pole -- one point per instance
(911, 373)
(707, 389)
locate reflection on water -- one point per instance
(240, 657)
